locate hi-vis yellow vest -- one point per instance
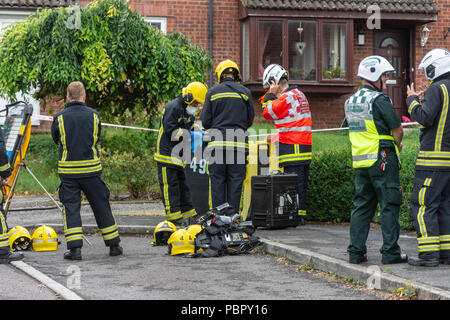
(362, 130)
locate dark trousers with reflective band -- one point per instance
(97, 193)
(302, 171)
(4, 238)
(373, 186)
(175, 193)
(430, 212)
(226, 180)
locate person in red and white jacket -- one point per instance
(288, 107)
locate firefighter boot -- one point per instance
(115, 250)
(423, 262)
(11, 256)
(73, 254)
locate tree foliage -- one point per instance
(122, 61)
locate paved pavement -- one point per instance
(322, 246)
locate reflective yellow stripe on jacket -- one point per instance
(79, 166)
(228, 95)
(82, 166)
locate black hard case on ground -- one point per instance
(274, 201)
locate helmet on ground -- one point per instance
(19, 239)
(193, 229)
(225, 67)
(373, 67)
(44, 239)
(274, 72)
(181, 241)
(436, 63)
(194, 91)
(162, 233)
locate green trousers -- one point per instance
(375, 186)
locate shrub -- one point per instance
(43, 147)
(331, 185)
(133, 172)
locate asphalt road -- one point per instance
(149, 273)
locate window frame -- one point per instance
(161, 20)
(318, 85)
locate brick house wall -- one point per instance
(193, 21)
(435, 39)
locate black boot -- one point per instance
(358, 260)
(423, 262)
(11, 256)
(403, 258)
(115, 250)
(73, 254)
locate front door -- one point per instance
(391, 44)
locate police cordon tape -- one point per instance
(50, 118)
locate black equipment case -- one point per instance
(274, 201)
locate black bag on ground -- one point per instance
(224, 235)
(274, 201)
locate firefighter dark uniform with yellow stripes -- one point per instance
(176, 122)
(430, 198)
(5, 171)
(76, 129)
(227, 114)
(289, 109)
(376, 135)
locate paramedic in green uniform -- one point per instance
(376, 136)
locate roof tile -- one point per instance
(37, 3)
(389, 6)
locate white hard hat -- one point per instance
(371, 68)
(436, 63)
(273, 72)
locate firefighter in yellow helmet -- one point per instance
(176, 122)
(227, 114)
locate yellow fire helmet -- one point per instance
(162, 233)
(44, 239)
(193, 229)
(19, 238)
(194, 91)
(229, 66)
(181, 241)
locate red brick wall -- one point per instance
(435, 39)
(192, 19)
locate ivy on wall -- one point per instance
(123, 62)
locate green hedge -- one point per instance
(331, 184)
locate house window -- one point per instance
(333, 51)
(157, 22)
(270, 44)
(317, 52)
(302, 50)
